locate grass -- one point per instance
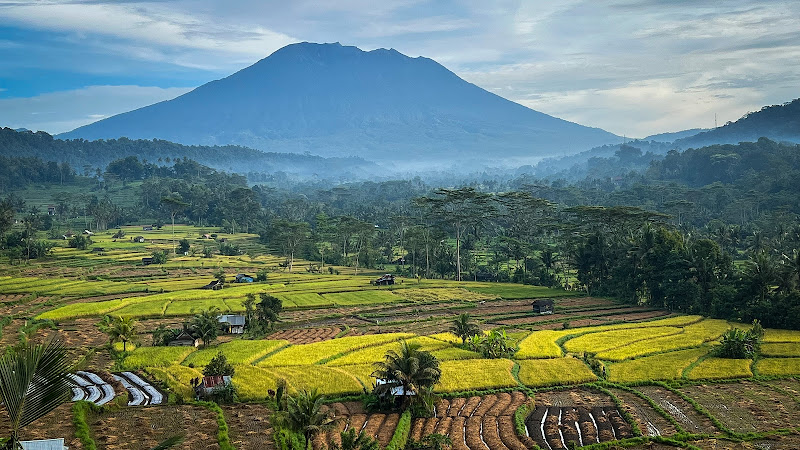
(475, 374)
(441, 295)
(778, 366)
(548, 372)
(666, 366)
(156, 357)
(237, 352)
(361, 298)
(308, 354)
(720, 368)
(176, 378)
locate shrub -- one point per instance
(80, 242)
(219, 366)
(159, 257)
(739, 344)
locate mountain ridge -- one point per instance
(336, 100)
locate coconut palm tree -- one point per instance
(121, 329)
(304, 414)
(464, 327)
(414, 370)
(205, 325)
(33, 382)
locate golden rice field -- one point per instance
(666, 366)
(720, 368)
(778, 366)
(558, 371)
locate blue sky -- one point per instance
(630, 67)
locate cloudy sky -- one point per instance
(632, 67)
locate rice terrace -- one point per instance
(589, 372)
(399, 225)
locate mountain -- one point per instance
(776, 122)
(336, 100)
(670, 137)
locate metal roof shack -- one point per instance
(543, 306)
(44, 444)
(232, 323)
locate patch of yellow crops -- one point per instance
(719, 368)
(780, 349)
(307, 354)
(441, 294)
(156, 357)
(455, 353)
(371, 355)
(558, 371)
(362, 372)
(541, 344)
(782, 336)
(177, 378)
(253, 383)
(329, 380)
(667, 366)
(778, 366)
(237, 352)
(82, 310)
(598, 342)
(475, 374)
(447, 337)
(693, 335)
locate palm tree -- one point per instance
(414, 370)
(353, 441)
(304, 414)
(33, 382)
(205, 325)
(175, 204)
(464, 327)
(122, 329)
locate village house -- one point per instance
(543, 306)
(207, 384)
(147, 260)
(242, 278)
(231, 323)
(139, 239)
(384, 280)
(213, 286)
(185, 340)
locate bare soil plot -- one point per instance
(746, 407)
(351, 415)
(57, 424)
(650, 421)
(573, 397)
(681, 410)
(306, 335)
(556, 427)
(144, 428)
(584, 302)
(249, 427)
(606, 315)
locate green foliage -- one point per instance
(224, 394)
(120, 329)
(413, 370)
(33, 382)
(219, 366)
(464, 327)
(159, 257)
(304, 414)
(520, 416)
(205, 325)
(492, 345)
(222, 427)
(401, 433)
(353, 441)
(80, 412)
(183, 246)
(433, 441)
(739, 344)
(80, 242)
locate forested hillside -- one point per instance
(710, 231)
(87, 156)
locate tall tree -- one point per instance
(414, 370)
(175, 205)
(304, 414)
(464, 327)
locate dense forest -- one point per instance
(88, 156)
(713, 230)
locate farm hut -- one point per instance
(184, 339)
(147, 228)
(139, 239)
(213, 286)
(543, 306)
(231, 323)
(51, 210)
(207, 384)
(384, 280)
(98, 249)
(88, 233)
(392, 388)
(146, 261)
(242, 278)
(44, 444)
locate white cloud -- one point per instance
(58, 112)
